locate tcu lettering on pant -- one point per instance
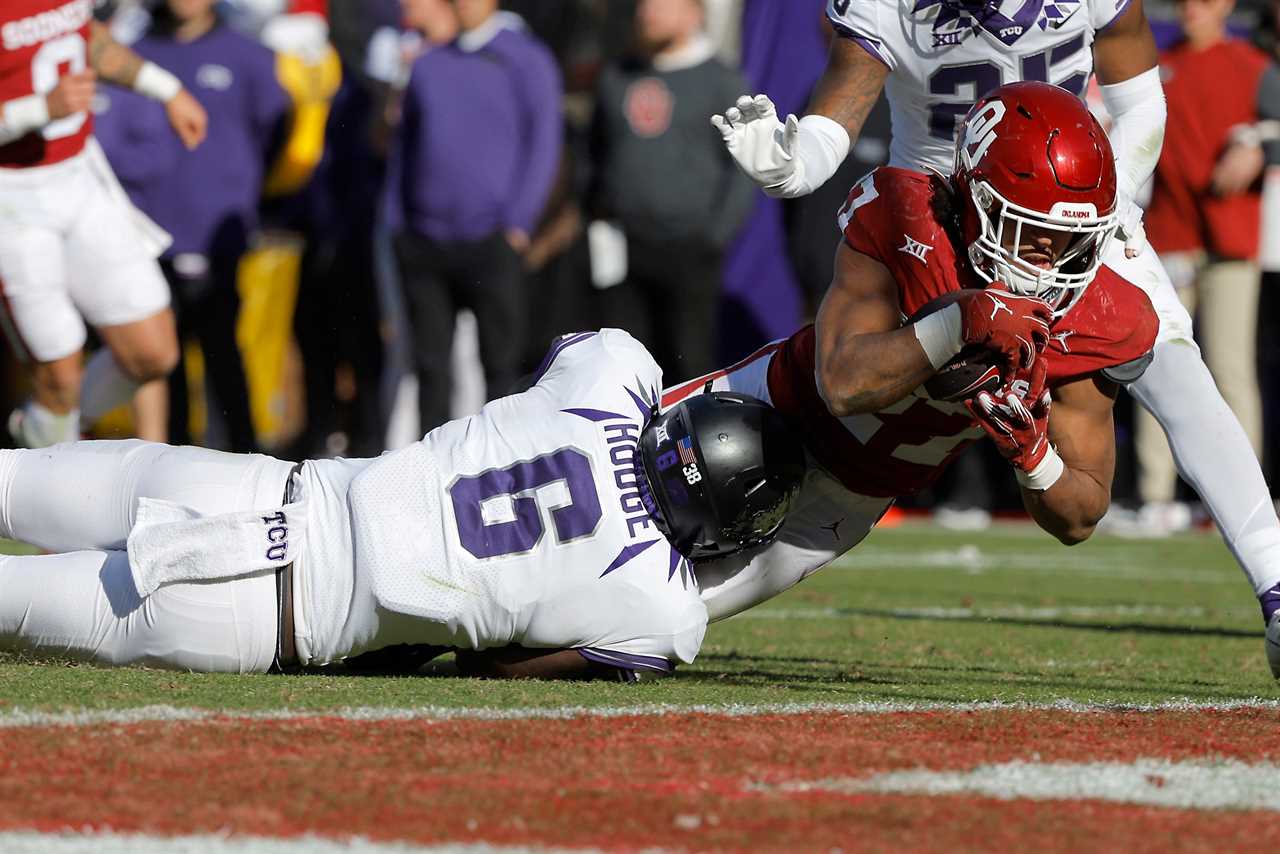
(277, 535)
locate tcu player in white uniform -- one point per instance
(72, 247)
(933, 59)
(536, 522)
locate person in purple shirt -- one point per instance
(478, 148)
(208, 199)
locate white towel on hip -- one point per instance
(173, 543)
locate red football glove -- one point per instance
(1015, 326)
(1018, 423)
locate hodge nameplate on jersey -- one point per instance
(525, 523)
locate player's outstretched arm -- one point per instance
(1125, 57)
(794, 158)
(865, 358)
(849, 87)
(118, 64)
(1082, 429)
(1063, 452)
(517, 662)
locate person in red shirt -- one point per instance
(72, 248)
(1204, 216)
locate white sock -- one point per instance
(104, 387)
(40, 428)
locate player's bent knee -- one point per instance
(154, 362)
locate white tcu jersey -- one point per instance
(941, 59)
(524, 523)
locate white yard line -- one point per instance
(129, 843)
(1010, 612)
(168, 714)
(1197, 784)
(972, 559)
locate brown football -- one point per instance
(973, 369)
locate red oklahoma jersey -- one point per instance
(893, 215)
(40, 41)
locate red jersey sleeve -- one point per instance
(1113, 324)
(897, 216)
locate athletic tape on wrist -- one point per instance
(1044, 475)
(25, 114)
(156, 83)
(941, 334)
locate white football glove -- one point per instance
(761, 145)
(1131, 230)
(787, 159)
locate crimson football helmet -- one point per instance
(1035, 175)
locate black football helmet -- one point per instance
(722, 471)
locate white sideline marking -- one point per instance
(1014, 612)
(973, 560)
(1198, 784)
(129, 843)
(14, 718)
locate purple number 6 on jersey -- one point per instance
(576, 519)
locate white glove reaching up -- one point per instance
(761, 145)
(786, 159)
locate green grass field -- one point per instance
(914, 614)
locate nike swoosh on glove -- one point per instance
(763, 146)
(1015, 326)
(1019, 426)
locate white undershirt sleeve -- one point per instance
(1138, 113)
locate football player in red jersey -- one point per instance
(72, 248)
(1013, 235)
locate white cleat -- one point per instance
(17, 436)
(1272, 642)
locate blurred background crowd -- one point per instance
(401, 202)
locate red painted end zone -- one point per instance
(670, 781)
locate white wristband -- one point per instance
(156, 83)
(1044, 475)
(821, 146)
(940, 334)
(23, 115)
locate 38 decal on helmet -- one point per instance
(723, 470)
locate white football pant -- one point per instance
(72, 248)
(1211, 449)
(81, 499)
